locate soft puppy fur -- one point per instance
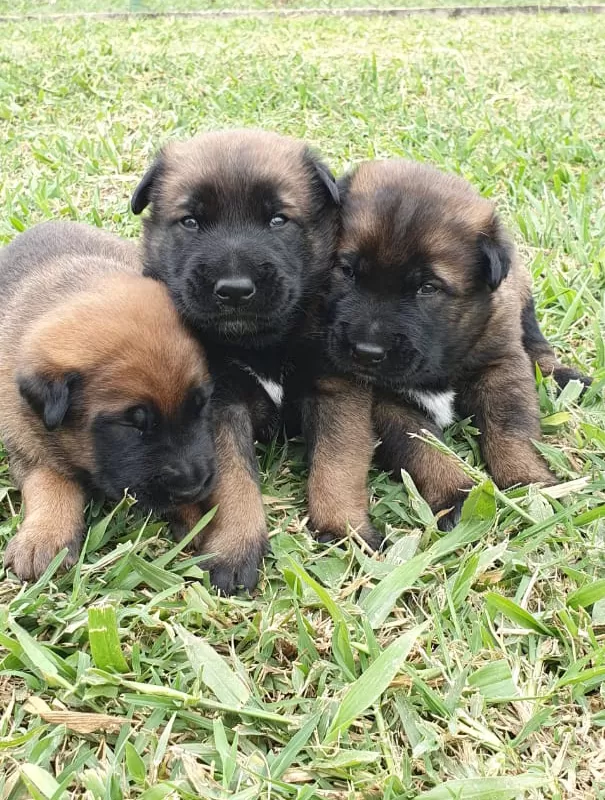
(241, 230)
(430, 312)
(101, 388)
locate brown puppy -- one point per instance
(242, 230)
(101, 388)
(429, 306)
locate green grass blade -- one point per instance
(507, 607)
(324, 596)
(588, 595)
(380, 601)
(134, 764)
(40, 783)
(286, 757)
(366, 690)
(214, 670)
(44, 661)
(508, 787)
(105, 639)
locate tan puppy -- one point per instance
(428, 314)
(101, 388)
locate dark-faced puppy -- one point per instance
(429, 306)
(242, 230)
(101, 388)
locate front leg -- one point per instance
(337, 424)
(438, 477)
(236, 539)
(504, 402)
(54, 519)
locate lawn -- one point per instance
(13, 7)
(470, 665)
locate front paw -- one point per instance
(563, 375)
(234, 560)
(31, 550)
(372, 537)
(448, 512)
(182, 520)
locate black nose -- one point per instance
(367, 353)
(234, 291)
(186, 482)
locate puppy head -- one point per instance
(420, 259)
(122, 391)
(241, 225)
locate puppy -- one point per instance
(242, 231)
(101, 388)
(429, 307)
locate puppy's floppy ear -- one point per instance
(495, 254)
(325, 176)
(344, 184)
(142, 194)
(49, 398)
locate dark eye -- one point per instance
(190, 223)
(428, 288)
(278, 221)
(137, 417)
(347, 270)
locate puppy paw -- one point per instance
(448, 511)
(183, 520)
(31, 550)
(233, 568)
(372, 537)
(563, 375)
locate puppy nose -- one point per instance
(234, 291)
(367, 353)
(185, 481)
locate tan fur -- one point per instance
(238, 497)
(435, 474)
(55, 507)
(223, 159)
(342, 449)
(99, 317)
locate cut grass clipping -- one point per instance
(464, 665)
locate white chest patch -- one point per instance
(273, 389)
(438, 405)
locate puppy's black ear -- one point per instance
(325, 176)
(495, 255)
(344, 184)
(50, 399)
(142, 194)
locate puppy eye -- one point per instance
(428, 288)
(189, 223)
(137, 417)
(347, 270)
(278, 221)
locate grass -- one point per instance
(470, 665)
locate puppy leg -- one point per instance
(337, 423)
(237, 536)
(504, 403)
(439, 479)
(54, 519)
(184, 519)
(539, 350)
